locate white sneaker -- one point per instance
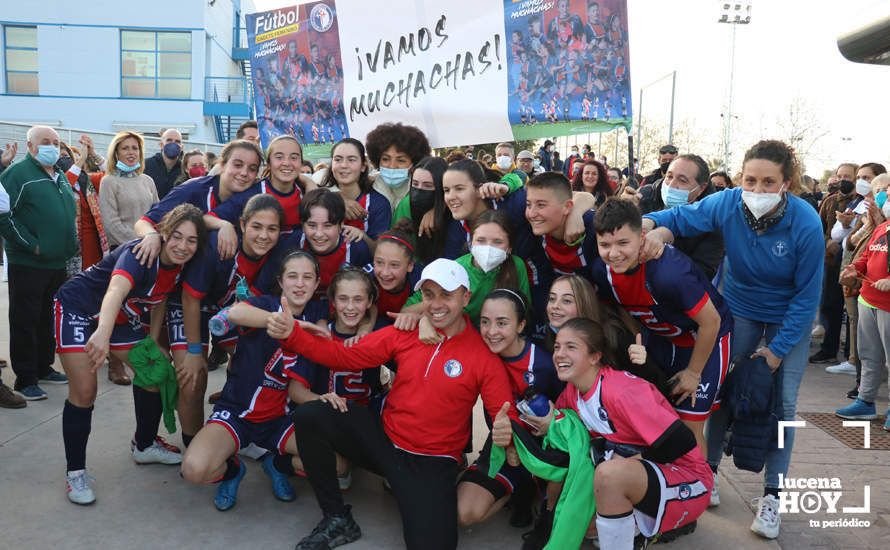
(818, 331)
(766, 520)
(157, 454)
(79, 489)
(715, 494)
(345, 481)
(844, 368)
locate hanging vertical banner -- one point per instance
(464, 71)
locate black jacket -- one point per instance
(705, 250)
(164, 180)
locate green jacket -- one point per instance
(563, 456)
(39, 229)
(153, 370)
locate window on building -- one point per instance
(21, 60)
(156, 64)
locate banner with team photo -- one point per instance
(464, 71)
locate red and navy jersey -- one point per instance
(567, 259)
(214, 281)
(393, 302)
(346, 253)
(663, 294)
(379, 214)
(358, 386)
(84, 292)
(202, 192)
(533, 367)
(256, 387)
(290, 202)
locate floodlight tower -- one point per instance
(732, 13)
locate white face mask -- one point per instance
(863, 187)
(488, 257)
(504, 162)
(761, 203)
(886, 209)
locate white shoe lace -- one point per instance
(766, 509)
(81, 482)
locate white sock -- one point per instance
(616, 533)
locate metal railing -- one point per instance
(17, 132)
(226, 89)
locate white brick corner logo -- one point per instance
(810, 495)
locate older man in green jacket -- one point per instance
(40, 236)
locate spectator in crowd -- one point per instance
(194, 165)
(546, 155)
(615, 179)
(557, 162)
(165, 166)
(249, 131)
(571, 160)
(810, 191)
(307, 168)
(525, 161)
(685, 182)
(666, 154)
(772, 242)
(591, 177)
(210, 158)
(8, 155)
(41, 235)
(91, 237)
(836, 206)
(125, 193)
(504, 155)
(720, 180)
(872, 269)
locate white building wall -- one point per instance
(80, 62)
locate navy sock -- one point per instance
(233, 466)
(284, 464)
(148, 416)
(771, 491)
(186, 439)
(76, 425)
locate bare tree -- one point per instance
(800, 127)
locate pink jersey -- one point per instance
(625, 409)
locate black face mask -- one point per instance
(64, 163)
(846, 187)
(665, 166)
(421, 201)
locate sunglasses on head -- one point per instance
(668, 151)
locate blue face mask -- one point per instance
(125, 169)
(880, 199)
(47, 155)
(394, 177)
(673, 197)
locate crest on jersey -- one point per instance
(685, 491)
(780, 249)
(453, 368)
(529, 377)
(604, 416)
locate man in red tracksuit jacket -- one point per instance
(417, 441)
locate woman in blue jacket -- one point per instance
(773, 278)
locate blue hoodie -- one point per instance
(774, 277)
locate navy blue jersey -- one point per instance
(290, 203)
(345, 253)
(534, 367)
(576, 258)
(215, 281)
(379, 214)
(256, 388)
(359, 386)
(203, 193)
(663, 295)
(83, 293)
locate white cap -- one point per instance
(448, 274)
